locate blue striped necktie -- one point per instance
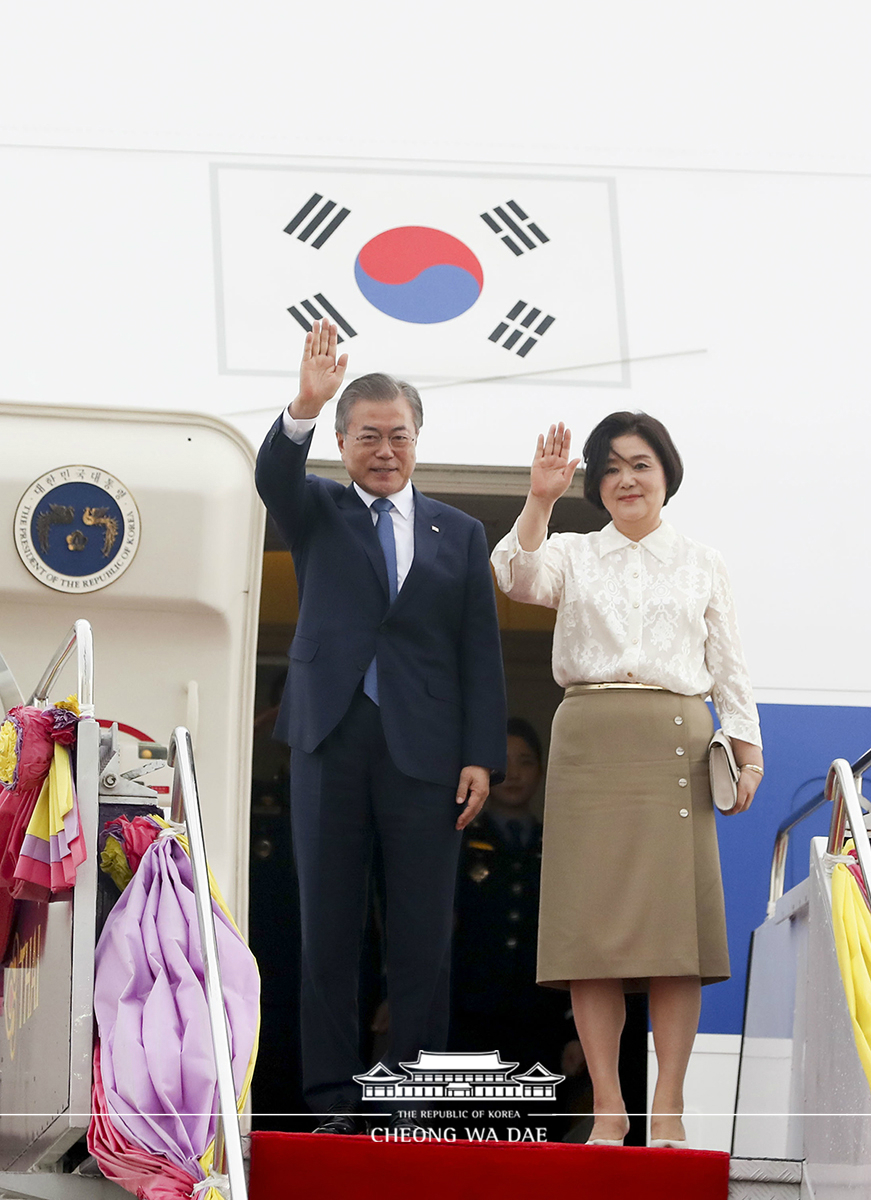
(384, 529)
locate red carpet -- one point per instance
(331, 1167)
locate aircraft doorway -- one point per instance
(495, 496)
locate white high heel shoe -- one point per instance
(608, 1141)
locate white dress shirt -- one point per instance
(656, 611)
(402, 512)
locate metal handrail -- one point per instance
(781, 838)
(186, 807)
(841, 789)
(81, 639)
(10, 693)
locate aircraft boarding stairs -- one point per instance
(46, 1057)
(803, 1095)
(803, 1120)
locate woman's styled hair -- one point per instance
(597, 450)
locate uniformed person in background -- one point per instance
(497, 1005)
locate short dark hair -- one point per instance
(597, 450)
(518, 727)
(377, 387)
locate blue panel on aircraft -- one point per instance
(800, 743)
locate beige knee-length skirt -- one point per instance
(630, 876)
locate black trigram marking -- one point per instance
(320, 215)
(318, 312)
(523, 328)
(512, 217)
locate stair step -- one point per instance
(764, 1179)
(324, 1166)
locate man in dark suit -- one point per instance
(394, 709)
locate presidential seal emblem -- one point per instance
(77, 529)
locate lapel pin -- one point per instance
(435, 529)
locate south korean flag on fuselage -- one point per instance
(436, 276)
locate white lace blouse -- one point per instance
(656, 611)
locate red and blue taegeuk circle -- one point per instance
(418, 274)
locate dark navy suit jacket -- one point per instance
(440, 679)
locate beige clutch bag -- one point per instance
(723, 772)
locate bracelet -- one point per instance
(751, 767)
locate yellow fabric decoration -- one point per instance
(62, 795)
(71, 704)
(207, 1159)
(8, 757)
(40, 818)
(56, 798)
(851, 921)
(114, 862)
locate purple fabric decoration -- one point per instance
(150, 1004)
(64, 725)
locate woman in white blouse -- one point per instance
(631, 895)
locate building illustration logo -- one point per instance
(454, 1077)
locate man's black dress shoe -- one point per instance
(341, 1119)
